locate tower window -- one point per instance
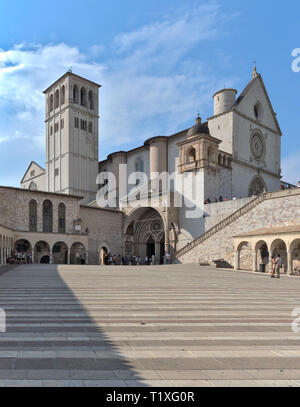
(56, 127)
(56, 172)
(90, 127)
(83, 97)
(51, 103)
(75, 94)
(91, 100)
(76, 123)
(51, 130)
(63, 95)
(62, 123)
(56, 104)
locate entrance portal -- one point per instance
(150, 248)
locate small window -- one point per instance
(90, 127)
(51, 130)
(56, 127)
(76, 123)
(258, 111)
(32, 173)
(62, 123)
(56, 172)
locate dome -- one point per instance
(199, 128)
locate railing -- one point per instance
(221, 225)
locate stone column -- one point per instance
(237, 260)
(271, 264)
(69, 256)
(254, 261)
(51, 256)
(290, 262)
(32, 256)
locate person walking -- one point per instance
(278, 265)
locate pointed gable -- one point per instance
(253, 95)
(33, 170)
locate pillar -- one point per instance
(51, 256)
(237, 260)
(271, 264)
(69, 256)
(290, 262)
(254, 254)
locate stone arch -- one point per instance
(245, 256)
(257, 186)
(23, 246)
(33, 216)
(91, 100)
(47, 216)
(56, 99)
(75, 94)
(103, 252)
(294, 252)
(60, 253)
(191, 155)
(279, 247)
(262, 254)
(83, 97)
(42, 253)
(51, 103)
(63, 95)
(78, 252)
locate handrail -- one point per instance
(221, 225)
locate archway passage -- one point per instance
(295, 257)
(60, 253)
(42, 253)
(103, 255)
(150, 248)
(23, 251)
(278, 248)
(78, 254)
(244, 260)
(149, 235)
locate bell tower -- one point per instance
(72, 136)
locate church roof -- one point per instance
(199, 128)
(32, 162)
(69, 73)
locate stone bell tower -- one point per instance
(72, 135)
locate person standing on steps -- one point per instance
(278, 265)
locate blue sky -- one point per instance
(159, 62)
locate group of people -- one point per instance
(226, 199)
(118, 260)
(19, 258)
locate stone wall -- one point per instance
(105, 230)
(14, 208)
(279, 207)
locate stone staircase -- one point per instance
(223, 224)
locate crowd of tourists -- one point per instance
(221, 199)
(113, 260)
(19, 258)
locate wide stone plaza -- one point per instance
(142, 326)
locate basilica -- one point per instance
(172, 194)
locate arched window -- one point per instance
(75, 94)
(83, 97)
(47, 217)
(63, 95)
(51, 103)
(91, 100)
(33, 186)
(62, 218)
(191, 157)
(56, 104)
(32, 216)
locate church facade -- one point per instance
(167, 192)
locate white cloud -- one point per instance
(151, 83)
